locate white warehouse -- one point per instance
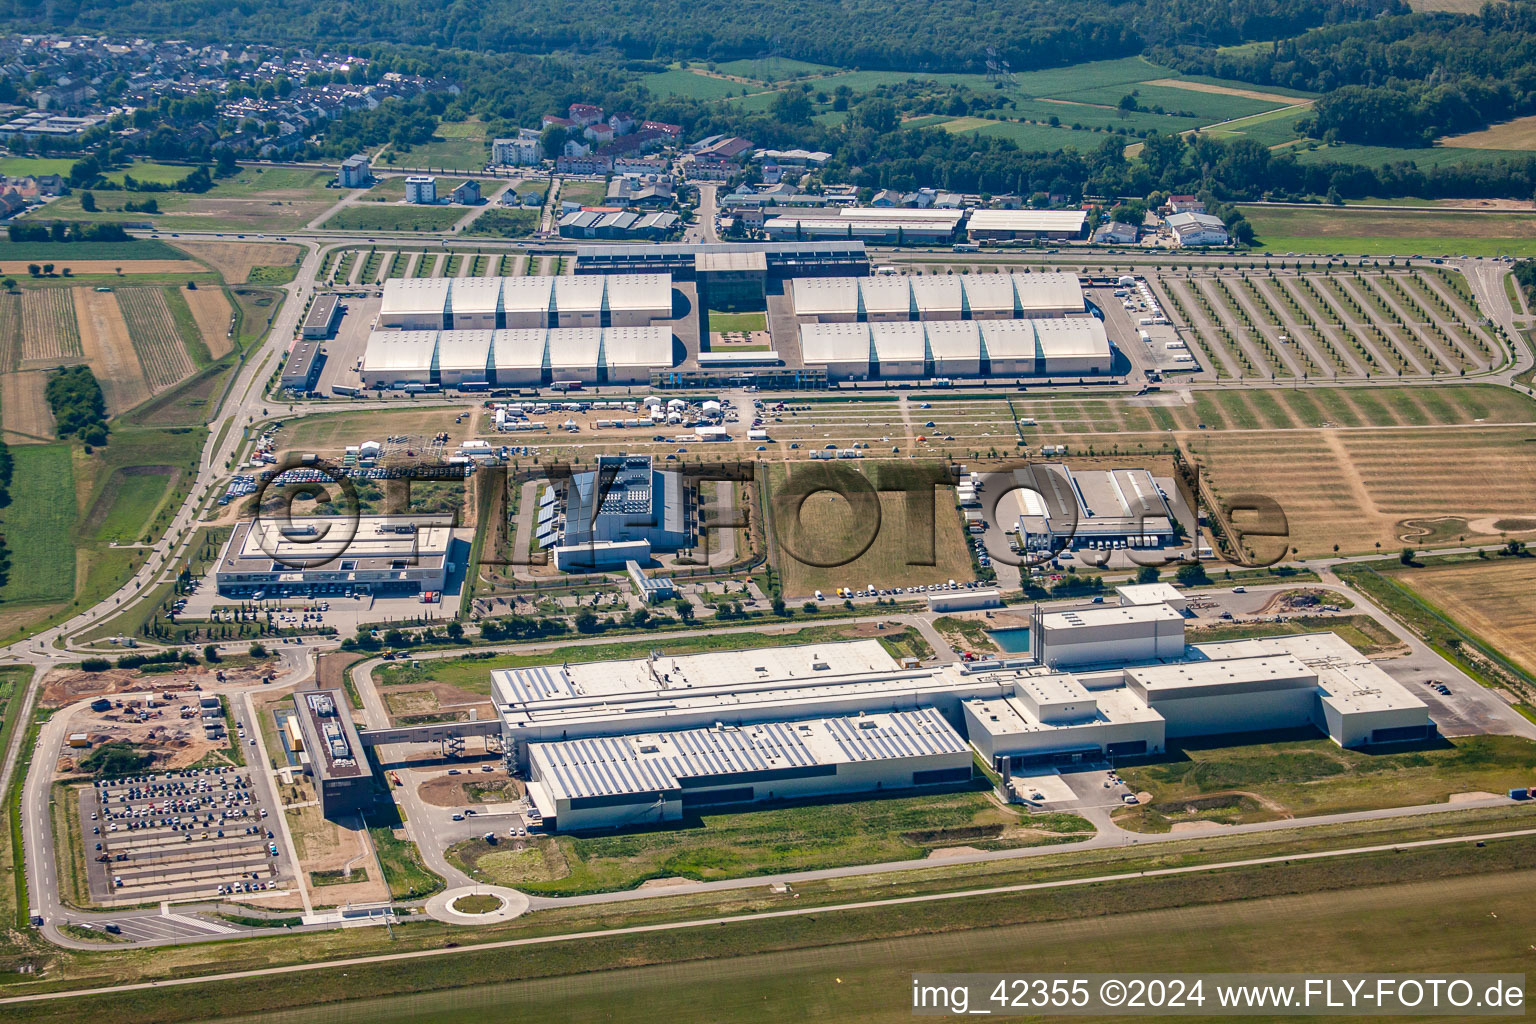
(516, 357)
(497, 303)
(932, 297)
(1076, 346)
(415, 304)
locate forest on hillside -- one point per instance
(933, 35)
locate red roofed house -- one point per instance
(585, 113)
(556, 121)
(671, 131)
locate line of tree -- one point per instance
(79, 410)
(65, 231)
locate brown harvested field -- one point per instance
(1496, 600)
(234, 260)
(162, 353)
(822, 536)
(27, 418)
(109, 349)
(1358, 488)
(1227, 90)
(210, 308)
(1517, 134)
(112, 266)
(49, 332)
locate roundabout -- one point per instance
(477, 904)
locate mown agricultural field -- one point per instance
(152, 328)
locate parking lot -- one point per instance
(193, 833)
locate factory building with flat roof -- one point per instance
(849, 350)
(335, 554)
(302, 369)
(323, 316)
(624, 501)
(516, 357)
(628, 781)
(1008, 225)
(331, 752)
(498, 303)
(613, 744)
(1096, 510)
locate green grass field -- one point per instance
(773, 69)
(394, 218)
(1406, 231)
(456, 145)
(1303, 773)
(22, 166)
(587, 193)
(39, 524)
(151, 172)
(500, 223)
(1379, 156)
(679, 82)
(721, 323)
(797, 837)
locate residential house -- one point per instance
(467, 193)
(585, 114)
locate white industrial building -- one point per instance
(1072, 345)
(579, 300)
(1009, 347)
(516, 357)
(396, 358)
(526, 301)
(1107, 634)
(631, 353)
(575, 353)
(414, 304)
(627, 781)
(464, 357)
(476, 304)
(1005, 225)
(634, 300)
(615, 744)
(495, 303)
(891, 297)
(1095, 510)
(864, 223)
(335, 554)
(900, 349)
(951, 348)
(842, 349)
(937, 296)
(955, 346)
(1152, 593)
